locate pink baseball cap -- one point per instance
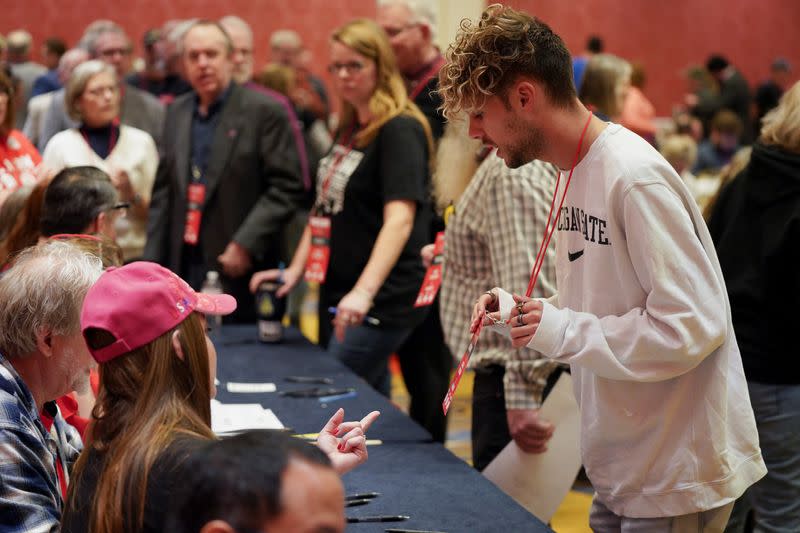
(139, 302)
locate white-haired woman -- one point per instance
(127, 154)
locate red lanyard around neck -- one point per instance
(337, 160)
(550, 227)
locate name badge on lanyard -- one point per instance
(320, 253)
(195, 197)
(319, 223)
(433, 277)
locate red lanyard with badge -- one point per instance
(195, 197)
(319, 223)
(537, 266)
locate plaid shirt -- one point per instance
(492, 241)
(30, 497)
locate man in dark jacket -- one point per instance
(229, 177)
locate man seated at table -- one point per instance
(81, 200)
(259, 481)
(42, 356)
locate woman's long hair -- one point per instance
(25, 231)
(602, 83)
(390, 98)
(147, 398)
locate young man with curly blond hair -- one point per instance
(641, 314)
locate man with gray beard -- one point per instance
(42, 357)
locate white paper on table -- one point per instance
(233, 386)
(539, 482)
(238, 417)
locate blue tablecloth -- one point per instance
(415, 476)
(436, 489)
(242, 358)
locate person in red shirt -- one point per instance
(19, 159)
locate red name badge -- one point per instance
(462, 366)
(320, 253)
(433, 277)
(195, 196)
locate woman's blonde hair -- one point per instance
(390, 98)
(605, 74)
(781, 126)
(147, 397)
(277, 77)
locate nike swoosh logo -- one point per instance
(574, 255)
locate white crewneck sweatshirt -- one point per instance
(642, 317)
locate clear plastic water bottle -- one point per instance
(212, 285)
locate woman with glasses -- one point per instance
(127, 154)
(371, 215)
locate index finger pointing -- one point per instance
(334, 422)
(367, 421)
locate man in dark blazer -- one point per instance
(229, 177)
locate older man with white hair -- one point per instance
(411, 27)
(42, 357)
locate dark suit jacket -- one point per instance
(253, 185)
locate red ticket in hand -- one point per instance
(462, 366)
(433, 277)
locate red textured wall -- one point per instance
(313, 19)
(665, 36)
(668, 36)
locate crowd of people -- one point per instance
(664, 295)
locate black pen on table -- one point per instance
(380, 518)
(396, 530)
(371, 320)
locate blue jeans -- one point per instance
(366, 352)
(775, 498)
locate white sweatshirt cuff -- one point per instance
(550, 333)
